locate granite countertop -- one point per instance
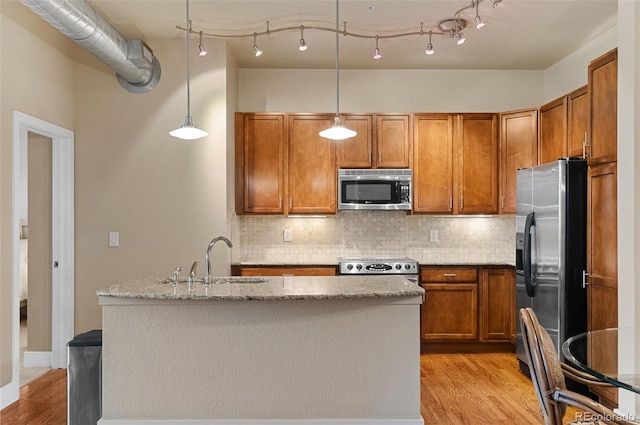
(275, 288)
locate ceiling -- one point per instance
(519, 34)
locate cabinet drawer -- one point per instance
(448, 274)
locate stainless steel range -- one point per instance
(403, 266)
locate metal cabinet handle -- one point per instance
(379, 157)
(585, 145)
(584, 278)
(461, 202)
(450, 275)
(502, 203)
(451, 202)
(290, 202)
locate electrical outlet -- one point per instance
(433, 235)
(287, 235)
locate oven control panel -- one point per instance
(358, 266)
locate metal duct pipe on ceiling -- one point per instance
(136, 68)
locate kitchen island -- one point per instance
(321, 350)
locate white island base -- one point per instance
(353, 360)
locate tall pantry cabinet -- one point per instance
(602, 241)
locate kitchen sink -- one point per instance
(216, 280)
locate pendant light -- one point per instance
(337, 131)
(188, 130)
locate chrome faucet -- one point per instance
(207, 256)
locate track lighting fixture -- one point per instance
(256, 50)
(302, 46)
(201, 49)
(376, 51)
(429, 50)
(479, 22)
(188, 131)
(337, 131)
(451, 27)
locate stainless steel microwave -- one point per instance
(378, 189)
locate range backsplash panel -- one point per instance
(319, 240)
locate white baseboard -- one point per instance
(9, 394)
(262, 422)
(38, 359)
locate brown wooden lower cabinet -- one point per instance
(468, 305)
(497, 312)
(280, 270)
(450, 311)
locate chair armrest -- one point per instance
(582, 377)
(605, 414)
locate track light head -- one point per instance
(256, 50)
(376, 51)
(201, 49)
(302, 46)
(479, 22)
(429, 50)
(461, 38)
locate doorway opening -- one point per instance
(59, 262)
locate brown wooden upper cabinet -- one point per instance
(455, 164)
(387, 145)
(553, 131)
(603, 103)
(518, 149)
(260, 163)
(578, 122)
(312, 180)
(477, 164)
(283, 166)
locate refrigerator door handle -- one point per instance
(529, 281)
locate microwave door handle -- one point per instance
(529, 279)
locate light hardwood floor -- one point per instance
(456, 389)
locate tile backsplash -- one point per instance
(320, 240)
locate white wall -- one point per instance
(302, 90)
(570, 73)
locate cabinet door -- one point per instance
(260, 159)
(578, 123)
(433, 163)
(477, 164)
(602, 246)
(518, 149)
(602, 239)
(450, 311)
(393, 141)
(603, 103)
(553, 131)
(496, 311)
(357, 151)
(312, 166)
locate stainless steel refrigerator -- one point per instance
(551, 249)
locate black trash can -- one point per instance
(84, 378)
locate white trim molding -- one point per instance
(419, 421)
(62, 242)
(38, 359)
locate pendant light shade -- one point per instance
(188, 131)
(337, 131)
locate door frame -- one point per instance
(62, 235)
